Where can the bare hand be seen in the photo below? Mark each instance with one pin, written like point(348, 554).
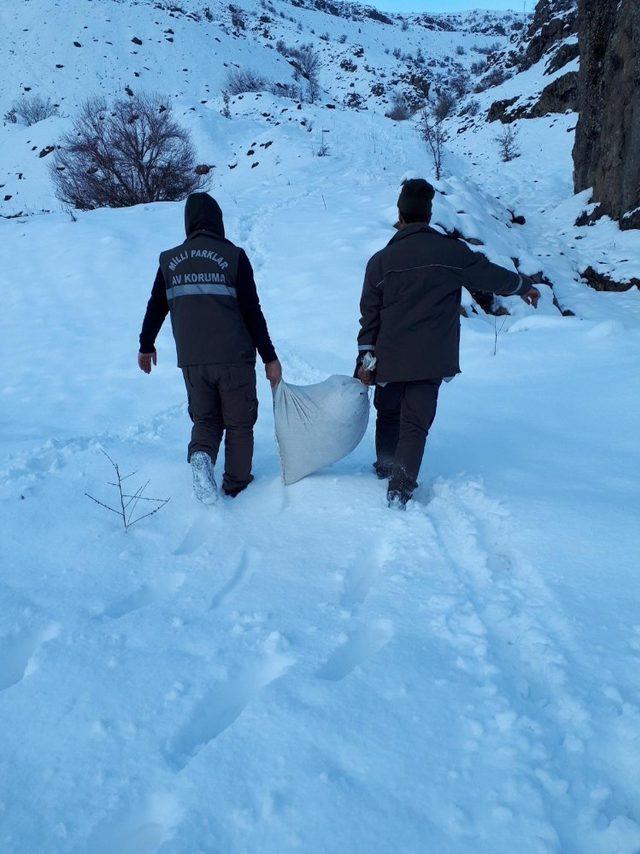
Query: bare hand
point(366, 377)
point(531, 297)
point(273, 370)
point(145, 360)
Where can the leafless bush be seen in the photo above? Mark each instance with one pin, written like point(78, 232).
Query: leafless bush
point(508, 143)
point(471, 108)
point(306, 62)
point(479, 67)
point(130, 153)
point(486, 49)
point(127, 501)
point(286, 90)
point(459, 83)
point(240, 80)
point(492, 78)
point(237, 18)
point(444, 106)
point(435, 136)
point(30, 109)
point(399, 110)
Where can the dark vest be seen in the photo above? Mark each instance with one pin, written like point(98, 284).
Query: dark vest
point(200, 276)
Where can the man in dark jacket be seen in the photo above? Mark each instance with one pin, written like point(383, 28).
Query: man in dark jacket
point(207, 285)
point(409, 337)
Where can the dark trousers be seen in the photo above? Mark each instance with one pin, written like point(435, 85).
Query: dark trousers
point(405, 414)
point(222, 399)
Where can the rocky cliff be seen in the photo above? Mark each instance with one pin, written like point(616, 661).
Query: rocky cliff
point(553, 21)
point(607, 149)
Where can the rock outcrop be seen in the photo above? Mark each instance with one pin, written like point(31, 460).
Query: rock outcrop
point(607, 149)
point(551, 35)
point(559, 96)
point(553, 21)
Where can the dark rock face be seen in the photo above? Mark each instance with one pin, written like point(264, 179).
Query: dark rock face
point(607, 150)
point(602, 282)
point(566, 53)
point(558, 97)
point(552, 22)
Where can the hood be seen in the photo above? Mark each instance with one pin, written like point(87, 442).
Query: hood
point(203, 213)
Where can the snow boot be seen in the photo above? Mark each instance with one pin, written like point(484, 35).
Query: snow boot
point(204, 482)
point(233, 491)
point(398, 499)
point(383, 470)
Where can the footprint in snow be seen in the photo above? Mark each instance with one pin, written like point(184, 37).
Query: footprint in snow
point(143, 596)
point(135, 830)
point(220, 707)
point(17, 653)
point(359, 647)
point(246, 564)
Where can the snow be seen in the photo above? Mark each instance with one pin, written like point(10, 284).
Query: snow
point(300, 669)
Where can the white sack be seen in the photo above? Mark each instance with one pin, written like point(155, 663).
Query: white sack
point(317, 425)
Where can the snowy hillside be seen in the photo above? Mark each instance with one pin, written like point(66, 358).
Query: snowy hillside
point(300, 670)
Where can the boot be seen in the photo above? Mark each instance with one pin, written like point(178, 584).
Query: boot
point(204, 482)
point(397, 499)
point(383, 470)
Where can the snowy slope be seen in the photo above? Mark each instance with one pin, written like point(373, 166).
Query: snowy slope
point(77, 49)
point(299, 670)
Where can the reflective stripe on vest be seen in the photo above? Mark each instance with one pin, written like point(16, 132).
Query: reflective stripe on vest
point(197, 290)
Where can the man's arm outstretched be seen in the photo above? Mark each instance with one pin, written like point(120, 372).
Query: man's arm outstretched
point(483, 275)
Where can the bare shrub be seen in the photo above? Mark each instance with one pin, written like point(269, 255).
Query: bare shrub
point(479, 67)
point(225, 112)
point(286, 90)
point(459, 83)
point(30, 109)
point(399, 110)
point(306, 62)
point(471, 108)
point(435, 136)
point(508, 143)
point(241, 80)
point(445, 105)
point(237, 18)
point(487, 49)
point(127, 501)
point(492, 78)
point(130, 153)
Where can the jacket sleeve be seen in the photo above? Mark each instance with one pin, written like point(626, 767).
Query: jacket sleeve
point(249, 305)
point(157, 310)
point(370, 306)
point(482, 275)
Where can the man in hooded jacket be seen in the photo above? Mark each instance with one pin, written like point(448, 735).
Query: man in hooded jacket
point(207, 285)
point(409, 339)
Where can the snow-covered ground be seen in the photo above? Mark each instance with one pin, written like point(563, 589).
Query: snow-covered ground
point(300, 669)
